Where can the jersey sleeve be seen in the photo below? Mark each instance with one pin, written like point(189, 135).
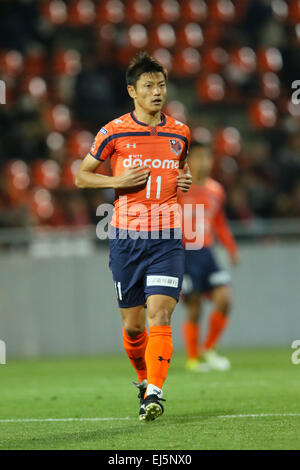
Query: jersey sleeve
point(103, 145)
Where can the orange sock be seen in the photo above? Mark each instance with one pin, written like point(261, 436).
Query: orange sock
point(135, 349)
point(190, 332)
point(217, 323)
point(158, 354)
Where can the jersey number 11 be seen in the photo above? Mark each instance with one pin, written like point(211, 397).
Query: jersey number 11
point(158, 187)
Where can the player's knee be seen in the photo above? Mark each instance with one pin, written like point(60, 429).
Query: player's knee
point(134, 330)
point(161, 316)
point(224, 304)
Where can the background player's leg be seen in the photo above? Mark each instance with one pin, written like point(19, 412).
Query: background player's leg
point(135, 338)
point(190, 328)
point(218, 320)
point(160, 346)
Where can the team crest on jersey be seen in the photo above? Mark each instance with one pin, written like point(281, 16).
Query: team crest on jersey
point(175, 146)
point(103, 131)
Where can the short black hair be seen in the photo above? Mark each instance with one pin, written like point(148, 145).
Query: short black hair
point(141, 63)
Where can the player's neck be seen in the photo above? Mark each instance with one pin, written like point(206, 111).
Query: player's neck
point(151, 119)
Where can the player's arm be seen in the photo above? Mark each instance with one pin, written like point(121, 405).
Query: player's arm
point(184, 178)
point(225, 236)
point(87, 178)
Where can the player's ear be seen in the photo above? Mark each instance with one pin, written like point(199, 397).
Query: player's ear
point(131, 91)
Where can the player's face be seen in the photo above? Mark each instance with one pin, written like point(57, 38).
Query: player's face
point(150, 92)
point(200, 162)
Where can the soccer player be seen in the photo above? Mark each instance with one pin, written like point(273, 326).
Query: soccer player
point(147, 152)
point(202, 272)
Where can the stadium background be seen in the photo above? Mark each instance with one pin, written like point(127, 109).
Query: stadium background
point(231, 66)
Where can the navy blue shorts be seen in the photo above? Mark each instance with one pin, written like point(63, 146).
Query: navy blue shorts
point(144, 267)
point(202, 273)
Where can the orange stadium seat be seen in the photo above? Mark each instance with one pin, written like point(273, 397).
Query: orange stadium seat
point(79, 143)
point(262, 114)
point(201, 134)
point(214, 59)
point(54, 11)
point(81, 12)
point(212, 33)
point(210, 87)
point(164, 56)
point(42, 205)
point(187, 62)
point(166, 11)
point(190, 35)
point(270, 85)
point(16, 182)
point(194, 10)
point(35, 62)
point(110, 11)
point(137, 36)
point(124, 54)
point(107, 32)
point(177, 110)
point(227, 141)
point(242, 62)
point(36, 87)
point(163, 35)
point(294, 11)
point(11, 63)
point(68, 173)
point(58, 117)
point(221, 10)
point(280, 10)
point(66, 62)
point(45, 173)
point(269, 60)
point(138, 11)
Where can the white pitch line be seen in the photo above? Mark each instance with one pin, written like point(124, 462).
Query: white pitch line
point(261, 415)
point(127, 418)
point(49, 420)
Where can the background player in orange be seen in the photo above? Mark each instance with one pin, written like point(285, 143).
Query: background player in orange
point(147, 151)
point(202, 273)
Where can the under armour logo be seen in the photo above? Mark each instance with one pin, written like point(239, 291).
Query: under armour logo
point(160, 358)
point(131, 145)
point(118, 121)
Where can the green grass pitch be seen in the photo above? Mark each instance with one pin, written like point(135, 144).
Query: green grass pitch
point(201, 411)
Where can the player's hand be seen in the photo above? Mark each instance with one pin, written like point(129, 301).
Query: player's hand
point(135, 175)
point(184, 179)
point(235, 258)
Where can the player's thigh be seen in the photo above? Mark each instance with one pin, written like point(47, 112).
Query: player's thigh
point(134, 319)
point(160, 309)
point(216, 276)
point(127, 264)
point(164, 272)
point(195, 272)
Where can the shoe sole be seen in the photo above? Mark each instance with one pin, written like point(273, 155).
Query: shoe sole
point(152, 411)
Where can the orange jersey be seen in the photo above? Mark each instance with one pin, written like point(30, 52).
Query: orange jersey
point(127, 141)
point(212, 196)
